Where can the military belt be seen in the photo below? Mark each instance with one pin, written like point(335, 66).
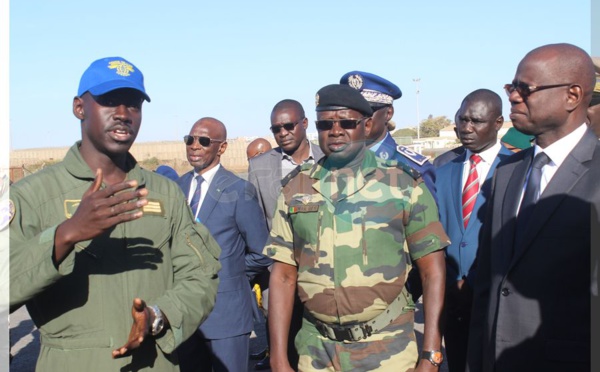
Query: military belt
point(362, 330)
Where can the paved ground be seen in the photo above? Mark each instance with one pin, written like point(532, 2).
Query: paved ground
point(24, 340)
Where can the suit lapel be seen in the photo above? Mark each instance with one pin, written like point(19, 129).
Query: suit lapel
point(565, 178)
point(456, 184)
point(213, 194)
point(186, 182)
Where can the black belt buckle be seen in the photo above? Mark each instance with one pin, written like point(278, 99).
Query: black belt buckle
point(342, 333)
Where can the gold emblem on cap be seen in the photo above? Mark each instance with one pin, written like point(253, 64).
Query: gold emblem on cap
point(355, 81)
point(123, 68)
point(317, 99)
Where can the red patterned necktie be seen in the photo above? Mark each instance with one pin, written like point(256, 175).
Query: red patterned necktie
point(471, 190)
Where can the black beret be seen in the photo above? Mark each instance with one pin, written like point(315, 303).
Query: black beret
point(336, 97)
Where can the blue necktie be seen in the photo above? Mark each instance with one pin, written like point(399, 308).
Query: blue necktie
point(195, 203)
point(532, 193)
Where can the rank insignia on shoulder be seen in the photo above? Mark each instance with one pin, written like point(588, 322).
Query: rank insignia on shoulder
point(153, 208)
point(70, 207)
point(406, 168)
point(410, 154)
point(303, 208)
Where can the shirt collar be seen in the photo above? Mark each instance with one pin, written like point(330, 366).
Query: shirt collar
point(488, 155)
point(559, 150)
point(209, 174)
point(289, 158)
point(76, 166)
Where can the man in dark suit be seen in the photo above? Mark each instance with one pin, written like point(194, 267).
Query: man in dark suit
point(531, 308)
point(463, 186)
point(269, 171)
point(228, 207)
point(265, 172)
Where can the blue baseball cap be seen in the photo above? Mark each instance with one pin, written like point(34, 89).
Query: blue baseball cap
point(375, 89)
point(108, 74)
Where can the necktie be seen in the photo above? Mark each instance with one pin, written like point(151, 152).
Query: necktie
point(195, 203)
point(471, 189)
point(532, 191)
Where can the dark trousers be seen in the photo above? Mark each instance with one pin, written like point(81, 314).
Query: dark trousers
point(456, 334)
point(198, 354)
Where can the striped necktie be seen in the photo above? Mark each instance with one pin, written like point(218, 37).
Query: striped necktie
point(470, 190)
point(195, 203)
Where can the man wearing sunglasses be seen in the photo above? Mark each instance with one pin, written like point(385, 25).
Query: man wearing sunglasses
point(95, 232)
point(228, 207)
point(270, 171)
point(533, 287)
point(338, 235)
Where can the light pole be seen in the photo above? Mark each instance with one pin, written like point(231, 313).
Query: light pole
point(417, 80)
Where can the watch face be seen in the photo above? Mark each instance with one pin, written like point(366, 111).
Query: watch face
point(437, 357)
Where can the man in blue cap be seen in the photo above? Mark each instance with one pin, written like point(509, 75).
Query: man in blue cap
point(381, 93)
point(105, 255)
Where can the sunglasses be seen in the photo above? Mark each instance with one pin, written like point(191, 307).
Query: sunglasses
point(344, 123)
point(526, 90)
point(287, 126)
point(203, 141)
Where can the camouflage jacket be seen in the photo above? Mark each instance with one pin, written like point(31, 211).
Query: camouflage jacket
point(345, 231)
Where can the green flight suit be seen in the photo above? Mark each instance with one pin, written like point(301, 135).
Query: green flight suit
point(83, 308)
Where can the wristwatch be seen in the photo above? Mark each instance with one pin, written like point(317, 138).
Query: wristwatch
point(435, 357)
point(159, 322)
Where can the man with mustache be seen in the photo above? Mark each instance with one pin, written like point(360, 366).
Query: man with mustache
point(533, 285)
point(338, 235)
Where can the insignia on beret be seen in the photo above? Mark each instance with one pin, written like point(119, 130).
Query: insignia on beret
point(123, 68)
point(317, 99)
point(355, 81)
point(411, 155)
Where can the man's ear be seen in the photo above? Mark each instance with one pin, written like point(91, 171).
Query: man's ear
point(389, 113)
point(222, 148)
point(574, 97)
point(499, 122)
point(78, 108)
point(305, 123)
point(368, 127)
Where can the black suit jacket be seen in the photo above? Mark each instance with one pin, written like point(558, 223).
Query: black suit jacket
point(531, 308)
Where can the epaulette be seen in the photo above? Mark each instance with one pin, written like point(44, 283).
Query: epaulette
point(406, 168)
point(292, 174)
point(410, 154)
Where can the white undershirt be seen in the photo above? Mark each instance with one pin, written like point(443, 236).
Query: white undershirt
point(208, 177)
point(487, 159)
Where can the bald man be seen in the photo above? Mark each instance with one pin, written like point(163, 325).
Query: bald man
point(227, 205)
point(257, 147)
point(531, 308)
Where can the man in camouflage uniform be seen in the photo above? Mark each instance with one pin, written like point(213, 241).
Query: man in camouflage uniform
point(338, 233)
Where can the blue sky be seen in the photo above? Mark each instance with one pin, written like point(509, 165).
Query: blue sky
point(234, 60)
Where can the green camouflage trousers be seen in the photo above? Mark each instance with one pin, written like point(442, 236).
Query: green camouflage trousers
point(393, 349)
